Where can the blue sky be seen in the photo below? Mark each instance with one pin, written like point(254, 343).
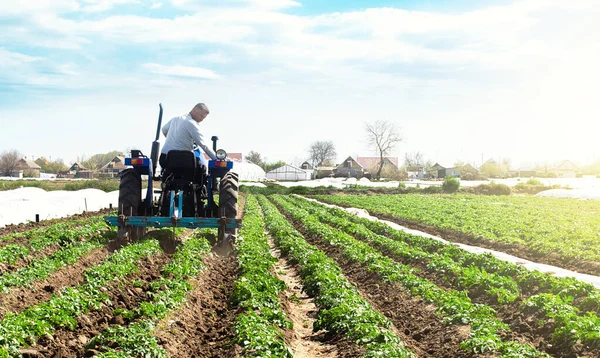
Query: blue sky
point(462, 79)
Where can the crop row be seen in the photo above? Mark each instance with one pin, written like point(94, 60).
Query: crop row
point(529, 282)
point(61, 234)
point(569, 326)
point(62, 309)
point(543, 225)
point(342, 310)
point(168, 293)
point(257, 291)
point(455, 306)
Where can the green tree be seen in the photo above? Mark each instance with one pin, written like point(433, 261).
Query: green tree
point(49, 166)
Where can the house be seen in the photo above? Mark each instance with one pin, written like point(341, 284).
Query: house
point(526, 172)
point(79, 171)
point(349, 168)
point(306, 165)
point(324, 172)
point(112, 168)
point(566, 169)
point(27, 168)
point(437, 171)
point(289, 173)
point(371, 165)
point(415, 172)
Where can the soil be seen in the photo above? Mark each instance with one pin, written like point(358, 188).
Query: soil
point(415, 321)
point(203, 327)
point(302, 312)
point(72, 275)
point(525, 327)
point(123, 295)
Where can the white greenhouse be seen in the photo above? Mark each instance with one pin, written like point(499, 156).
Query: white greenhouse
point(289, 173)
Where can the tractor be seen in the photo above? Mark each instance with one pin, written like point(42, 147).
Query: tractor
point(187, 196)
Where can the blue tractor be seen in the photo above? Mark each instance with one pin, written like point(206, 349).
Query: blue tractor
point(187, 196)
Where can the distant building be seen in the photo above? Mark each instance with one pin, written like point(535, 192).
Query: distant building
point(234, 157)
point(289, 173)
point(27, 168)
point(371, 165)
point(566, 169)
point(112, 168)
point(349, 168)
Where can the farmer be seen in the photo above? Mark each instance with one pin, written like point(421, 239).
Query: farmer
point(183, 132)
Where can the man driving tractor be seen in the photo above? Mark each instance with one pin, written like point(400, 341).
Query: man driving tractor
point(182, 132)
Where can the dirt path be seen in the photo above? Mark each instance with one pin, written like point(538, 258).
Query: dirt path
point(301, 310)
point(202, 327)
point(20, 297)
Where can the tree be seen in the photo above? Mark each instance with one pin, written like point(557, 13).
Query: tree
point(414, 160)
point(49, 166)
point(97, 161)
point(9, 161)
point(382, 137)
point(273, 165)
point(255, 158)
point(321, 152)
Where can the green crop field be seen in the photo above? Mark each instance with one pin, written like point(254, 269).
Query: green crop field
point(305, 280)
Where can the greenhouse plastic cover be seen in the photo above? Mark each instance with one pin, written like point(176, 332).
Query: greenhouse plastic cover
point(21, 205)
point(530, 265)
point(249, 171)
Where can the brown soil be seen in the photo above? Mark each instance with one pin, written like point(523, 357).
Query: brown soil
point(20, 298)
point(301, 310)
point(27, 260)
point(122, 295)
point(16, 228)
point(415, 320)
point(524, 325)
point(203, 327)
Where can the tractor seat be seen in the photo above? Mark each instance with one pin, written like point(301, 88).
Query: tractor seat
point(181, 164)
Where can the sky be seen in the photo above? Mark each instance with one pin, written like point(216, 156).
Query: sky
point(463, 80)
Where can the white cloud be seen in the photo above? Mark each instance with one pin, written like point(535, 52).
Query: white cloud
point(181, 71)
point(103, 5)
point(9, 58)
point(11, 8)
point(156, 5)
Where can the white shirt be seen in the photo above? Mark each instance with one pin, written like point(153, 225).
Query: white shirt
point(182, 132)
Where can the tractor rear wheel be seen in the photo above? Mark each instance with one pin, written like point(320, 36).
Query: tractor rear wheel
point(228, 208)
point(130, 204)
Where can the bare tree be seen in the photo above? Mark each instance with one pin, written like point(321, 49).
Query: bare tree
point(255, 158)
point(9, 161)
point(382, 137)
point(414, 159)
point(321, 152)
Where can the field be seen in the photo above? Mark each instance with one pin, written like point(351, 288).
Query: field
point(306, 281)
point(563, 232)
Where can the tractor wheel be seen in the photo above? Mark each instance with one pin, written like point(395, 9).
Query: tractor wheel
point(130, 204)
point(228, 208)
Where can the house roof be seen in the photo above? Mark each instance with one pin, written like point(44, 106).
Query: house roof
point(118, 158)
point(437, 166)
point(370, 162)
point(288, 168)
point(341, 165)
point(235, 157)
point(566, 165)
point(81, 167)
point(28, 164)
